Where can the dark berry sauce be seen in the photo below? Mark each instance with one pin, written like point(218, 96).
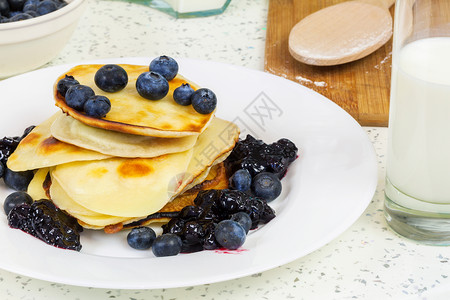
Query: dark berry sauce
point(9, 144)
point(195, 224)
point(257, 156)
point(43, 220)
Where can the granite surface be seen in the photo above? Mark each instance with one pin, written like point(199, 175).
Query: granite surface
point(367, 261)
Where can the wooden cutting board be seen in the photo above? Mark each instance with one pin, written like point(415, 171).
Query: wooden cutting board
point(361, 87)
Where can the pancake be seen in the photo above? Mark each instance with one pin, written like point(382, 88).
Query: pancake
point(36, 187)
point(213, 146)
point(92, 220)
point(125, 187)
point(39, 149)
point(131, 113)
point(72, 131)
point(133, 187)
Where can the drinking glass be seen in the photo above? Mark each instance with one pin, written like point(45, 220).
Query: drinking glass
point(417, 193)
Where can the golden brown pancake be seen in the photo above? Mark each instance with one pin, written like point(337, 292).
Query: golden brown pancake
point(69, 130)
point(135, 187)
point(39, 149)
point(131, 113)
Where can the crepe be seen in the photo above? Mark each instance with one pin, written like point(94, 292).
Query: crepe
point(36, 188)
point(39, 149)
point(72, 131)
point(131, 113)
point(133, 187)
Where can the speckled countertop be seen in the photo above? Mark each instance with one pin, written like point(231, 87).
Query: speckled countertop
point(368, 261)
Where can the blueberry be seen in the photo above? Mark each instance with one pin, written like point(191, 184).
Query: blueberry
point(45, 7)
point(16, 5)
point(31, 2)
point(111, 78)
point(204, 101)
point(32, 13)
point(164, 65)
point(230, 234)
point(266, 186)
point(20, 17)
point(242, 219)
point(77, 95)
point(97, 106)
point(18, 180)
point(3, 19)
point(141, 238)
point(241, 180)
point(182, 94)
point(30, 5)
point(65, 83)
point(152, 86)
point(15, 199)
point(2, 169)
point(167, 244)
point(4, 8)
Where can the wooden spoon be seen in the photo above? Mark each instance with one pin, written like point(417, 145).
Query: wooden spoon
point(341, 33)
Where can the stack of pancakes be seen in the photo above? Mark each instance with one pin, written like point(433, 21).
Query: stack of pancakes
point(144, 157)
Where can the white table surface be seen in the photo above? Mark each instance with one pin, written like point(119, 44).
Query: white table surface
point(368, 261)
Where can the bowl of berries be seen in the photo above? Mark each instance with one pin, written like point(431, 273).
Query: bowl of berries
point(32, 32)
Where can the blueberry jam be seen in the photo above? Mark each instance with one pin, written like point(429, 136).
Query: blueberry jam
point(257, 156)
point(195, 224)
point(42, 219)
point(9, 144)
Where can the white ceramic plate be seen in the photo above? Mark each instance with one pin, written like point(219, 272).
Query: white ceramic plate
point(326, 189)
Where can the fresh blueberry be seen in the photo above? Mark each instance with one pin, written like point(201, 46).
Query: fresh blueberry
point(266, 186)
point(242, 219)
point(2, 169)
point(45, 7)
point(230, 234)
point(18, 180)
point(77, 95)
point(97, 106)
point(15, 199)
point(30, 7)
point(16, 5)
point(31, 2)
point(3, 19)
point(20, 17)
point(241, 180)
point(4, 8)
point(182, 94)
point(62, 4)
point(32, 13)
point(111, 78)
point(204, 101)
point(141, 238)
point(152, 86)
point(166, 66)
point(65, 83)
point(167, 244)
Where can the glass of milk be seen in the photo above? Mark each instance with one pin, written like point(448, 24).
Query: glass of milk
point(417, 192)
point(187, 8)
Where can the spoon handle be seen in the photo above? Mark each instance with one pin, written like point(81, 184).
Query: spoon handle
point(383, 3)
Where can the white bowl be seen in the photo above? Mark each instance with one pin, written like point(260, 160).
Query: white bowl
point(28, 44)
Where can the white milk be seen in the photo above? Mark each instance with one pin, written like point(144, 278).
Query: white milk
point(419, 126)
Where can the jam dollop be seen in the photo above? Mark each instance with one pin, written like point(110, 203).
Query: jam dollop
point(43, 220)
